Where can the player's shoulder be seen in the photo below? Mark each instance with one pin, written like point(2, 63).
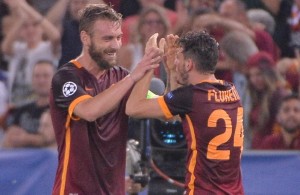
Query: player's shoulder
point(68, 67)
point(72, 68)
point(181, 92)
point(185, 88)
point(67, 72)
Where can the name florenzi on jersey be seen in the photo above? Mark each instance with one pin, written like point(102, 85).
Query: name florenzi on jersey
point(223, 96)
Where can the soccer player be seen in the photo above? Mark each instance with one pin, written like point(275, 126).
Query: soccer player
point(87, 104)
point(211, 114)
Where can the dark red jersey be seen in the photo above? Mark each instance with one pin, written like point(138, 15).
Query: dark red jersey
point(91, 154)
point(212, 118)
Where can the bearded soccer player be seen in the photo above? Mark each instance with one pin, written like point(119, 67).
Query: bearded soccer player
point(87, 103)
point(210, 110)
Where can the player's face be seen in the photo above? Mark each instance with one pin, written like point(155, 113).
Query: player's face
point(182, 74)
point(289, 115)
point(105, 42)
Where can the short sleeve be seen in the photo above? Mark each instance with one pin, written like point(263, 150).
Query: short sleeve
point(180, 100)
point(67, 88)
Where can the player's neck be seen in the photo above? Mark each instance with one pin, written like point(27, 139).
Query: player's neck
point(90, 65)
point(198, 78)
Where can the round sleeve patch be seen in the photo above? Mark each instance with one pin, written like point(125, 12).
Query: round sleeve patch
point(69, 89)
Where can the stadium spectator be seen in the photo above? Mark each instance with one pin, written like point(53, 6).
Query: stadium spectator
point(281, 11)
point(24, 45)
point(236, 10)
point(23, 122)
point(289, 68)
point(128, 25)
point(151, 20)
point(262, 20)
point(266, 89)
point(289, 119)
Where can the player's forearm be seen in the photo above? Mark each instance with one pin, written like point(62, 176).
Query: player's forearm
point(138, 95)
point(171, 81)
point(105, 102)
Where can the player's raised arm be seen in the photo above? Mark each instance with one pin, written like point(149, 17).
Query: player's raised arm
point(138, 105)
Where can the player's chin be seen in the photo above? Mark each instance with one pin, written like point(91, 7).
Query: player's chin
point(112, 61)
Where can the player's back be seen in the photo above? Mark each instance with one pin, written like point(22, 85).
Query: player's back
point(214, 133)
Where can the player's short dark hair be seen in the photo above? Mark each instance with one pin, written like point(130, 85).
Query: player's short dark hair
point(202, 49)
point(94, 12)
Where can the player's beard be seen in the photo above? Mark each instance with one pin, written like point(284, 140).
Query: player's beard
point(98, 57)
point(182, 78)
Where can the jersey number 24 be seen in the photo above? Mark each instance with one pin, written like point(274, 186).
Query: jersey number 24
point(212, 150)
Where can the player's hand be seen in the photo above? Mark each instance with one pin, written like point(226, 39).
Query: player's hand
point(170, 50)
point(152, 42)
point(151, 59)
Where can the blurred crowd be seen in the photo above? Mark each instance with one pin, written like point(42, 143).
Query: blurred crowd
point(259, 42)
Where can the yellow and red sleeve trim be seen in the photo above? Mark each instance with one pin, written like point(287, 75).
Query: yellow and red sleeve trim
point(74, 103)
point(164, 107)
point(77, 64)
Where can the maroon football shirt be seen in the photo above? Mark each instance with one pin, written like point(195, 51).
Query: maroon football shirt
point(91, 154)
point(212, 118)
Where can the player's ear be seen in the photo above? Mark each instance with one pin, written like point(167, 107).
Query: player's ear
point(189, 65)
point(85, 37)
